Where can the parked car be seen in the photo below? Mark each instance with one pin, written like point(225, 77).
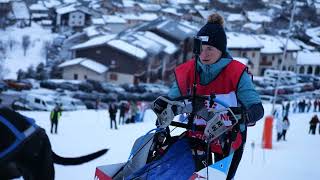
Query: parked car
point(34, 102)
point(3, 86)
point(17, 85)
point(21, 104)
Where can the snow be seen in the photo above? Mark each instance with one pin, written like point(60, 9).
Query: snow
point(66, 9)
point(170, 47)
point(113, 19)
point(20, 10)
point(314, 34)
point(242, 60)
point(308, 58)
point(51, 3)
point(252, 26)
point(38, 7)
point(98, 21)
point(96, 41)
point(90, 64)
point(236, 17)
point(141, 16)
point(149, 7)
point(291, 46)
point(128, 48)
point(173, 11)
point(15, 59)
point(271, 45)
point(83, 132)
point(240, 40)
point(177, 2)
point(257, 17)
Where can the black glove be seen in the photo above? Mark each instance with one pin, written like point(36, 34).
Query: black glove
point(253, 114)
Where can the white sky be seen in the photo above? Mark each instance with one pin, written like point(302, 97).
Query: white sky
point(83, 132)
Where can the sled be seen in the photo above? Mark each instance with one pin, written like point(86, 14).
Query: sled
point(177, 161)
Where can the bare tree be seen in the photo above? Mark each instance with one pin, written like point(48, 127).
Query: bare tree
point(25, 43)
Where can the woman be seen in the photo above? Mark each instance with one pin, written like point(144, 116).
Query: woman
point(217, 73)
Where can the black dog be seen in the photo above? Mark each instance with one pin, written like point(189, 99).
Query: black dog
point(25, 149)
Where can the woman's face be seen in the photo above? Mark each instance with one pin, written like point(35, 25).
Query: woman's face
point(209, 54)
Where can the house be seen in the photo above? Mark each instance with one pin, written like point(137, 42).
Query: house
point(5, 8)
point(290, 59)
point(235, 21)
point(21, 14)
point(83, 69)
point(271, 53)
point(117, 54)
point(72, 17)
point(308, 62)
point(148, 7)
point(39, 12)
point(243, 45)
point(115, 23)
point(137, 18)
point(180, 33)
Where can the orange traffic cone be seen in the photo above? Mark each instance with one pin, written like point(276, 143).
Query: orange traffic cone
point(267, 133)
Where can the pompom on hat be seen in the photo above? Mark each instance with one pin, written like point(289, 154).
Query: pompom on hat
point(213, 34)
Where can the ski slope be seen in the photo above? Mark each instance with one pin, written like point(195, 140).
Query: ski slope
point(83, 132)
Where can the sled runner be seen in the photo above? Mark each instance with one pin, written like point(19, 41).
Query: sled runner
point(159, 155)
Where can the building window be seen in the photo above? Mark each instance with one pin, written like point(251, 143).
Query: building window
point(253, 54)
point(75, 76)
point(113, 77)
point(244, 54)
point(317, 72)
point(301, 71)
point(279, 61)
point(309, 70)
point(98, 51)
point(272, 57)
point(85, 77)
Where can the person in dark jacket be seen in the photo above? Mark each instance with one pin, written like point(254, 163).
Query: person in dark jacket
point(112, 113)
point(313, 124)
point(123, 110)
point(285, 127)
point(54, 118)
point(218, 73)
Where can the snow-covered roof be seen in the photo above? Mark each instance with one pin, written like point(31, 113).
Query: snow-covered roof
point(88, 63)
point(97, 21)
point(303, 45)
point(271, 45)
point(236, 17)
point(113, 19)
point(175, 30)
point(128, 48)
point(141, 16)
point(71, 8)
point(39, 15)
point(308, 58)
point(314, 34)
point(257, 17)
point(170, 48)
point(38, 7)
point(206, 13)
point(242, 41)
point(291, 46)
point(176, 2)
point(149, 7)
point(96, 41)
point(171, 10)
point(252, 26)
point(128, 3)
point(51, 3)
point(144, 42)
point(20, 10)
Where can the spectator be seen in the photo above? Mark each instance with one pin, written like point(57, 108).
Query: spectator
point(54, 118)
point(112, 114)
point(123, 110)
point(309, 105)
point(134, 110)
point(313, 124)
point(285, 126)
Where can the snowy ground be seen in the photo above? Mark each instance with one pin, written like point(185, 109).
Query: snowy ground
point(83, 132)
point(35, 54)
